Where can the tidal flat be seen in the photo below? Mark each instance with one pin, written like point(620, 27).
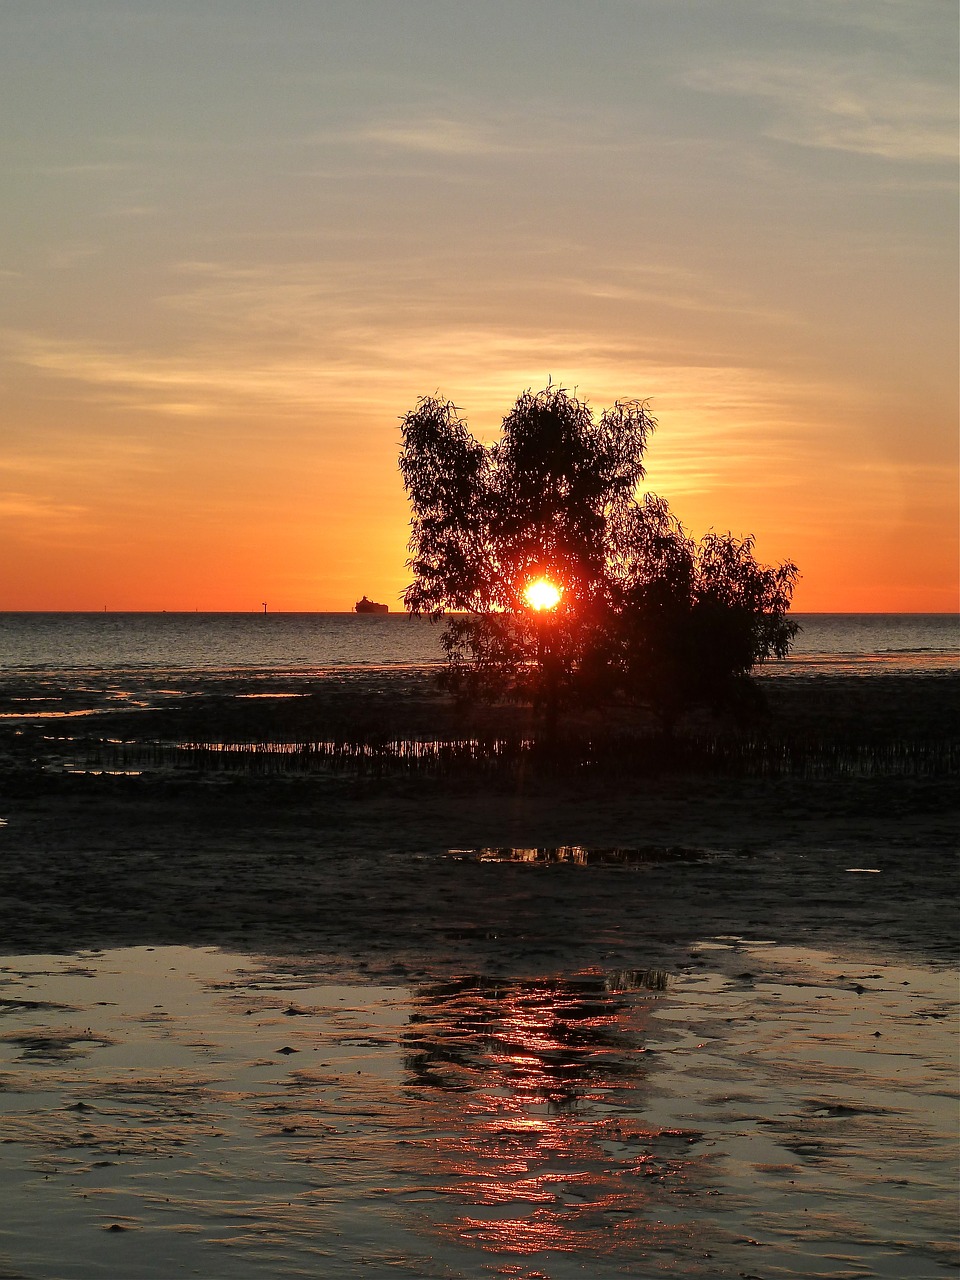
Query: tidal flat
point(761, 1110)
point(433, 1024)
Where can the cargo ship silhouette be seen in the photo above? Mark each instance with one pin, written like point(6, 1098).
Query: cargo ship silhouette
point(370, 606)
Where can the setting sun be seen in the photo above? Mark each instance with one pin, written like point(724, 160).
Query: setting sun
point(541, 594)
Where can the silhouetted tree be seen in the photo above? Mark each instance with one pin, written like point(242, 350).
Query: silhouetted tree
point(644, 611)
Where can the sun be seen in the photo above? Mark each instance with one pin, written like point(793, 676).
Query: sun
point(541, 594)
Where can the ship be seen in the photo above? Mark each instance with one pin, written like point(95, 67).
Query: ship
point(370, 606)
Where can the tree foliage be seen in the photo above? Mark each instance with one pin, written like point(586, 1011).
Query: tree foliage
point(645, 613)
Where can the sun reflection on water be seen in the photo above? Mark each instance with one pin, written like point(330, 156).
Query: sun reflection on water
point(537, 1092)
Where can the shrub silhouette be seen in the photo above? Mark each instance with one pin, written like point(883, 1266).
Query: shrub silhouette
point(645, 613)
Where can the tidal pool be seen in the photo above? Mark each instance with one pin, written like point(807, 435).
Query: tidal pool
point(762, 1111)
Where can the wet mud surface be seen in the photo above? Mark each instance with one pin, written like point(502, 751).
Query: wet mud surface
point(394, 879)
point(672, 1026)
point(762, 1110)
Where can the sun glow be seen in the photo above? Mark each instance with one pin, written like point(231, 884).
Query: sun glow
point(541, 594)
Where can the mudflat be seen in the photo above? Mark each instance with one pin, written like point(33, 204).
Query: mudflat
point(268, 1014)
point(363, 866)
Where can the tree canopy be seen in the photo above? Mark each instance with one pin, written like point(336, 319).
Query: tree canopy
point(640, 611)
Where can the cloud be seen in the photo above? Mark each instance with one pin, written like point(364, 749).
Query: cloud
point(210, 383)
point(375, 372)
point(433, 134)
point(364, 301)
point(844, 106)
point(677, 288)
point(28, 506)
point(538, 127)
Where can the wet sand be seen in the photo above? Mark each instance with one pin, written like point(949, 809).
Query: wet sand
point(795, 918)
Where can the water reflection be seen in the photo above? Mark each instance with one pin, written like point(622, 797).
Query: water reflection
point(581, 856)
point(520, 1127)
point(535, 1090)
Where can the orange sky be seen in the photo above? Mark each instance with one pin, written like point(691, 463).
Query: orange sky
point(238, 248)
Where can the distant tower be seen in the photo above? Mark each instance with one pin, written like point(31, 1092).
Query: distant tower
point(264, 606)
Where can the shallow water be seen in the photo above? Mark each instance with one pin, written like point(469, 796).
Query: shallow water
point(762, 1111)
point(756, 757)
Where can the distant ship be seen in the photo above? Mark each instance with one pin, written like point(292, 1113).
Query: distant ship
point(370, 606)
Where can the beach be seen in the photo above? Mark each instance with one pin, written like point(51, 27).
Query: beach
point(783, 943)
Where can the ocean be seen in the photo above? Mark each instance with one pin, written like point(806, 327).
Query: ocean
point(76, 643)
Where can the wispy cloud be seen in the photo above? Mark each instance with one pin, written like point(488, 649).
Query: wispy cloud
point(374, 372)
point(28, 506)
point(534, 127)
point(676, 288)
point(844, 106)
point(434, 134)
point(362, 302)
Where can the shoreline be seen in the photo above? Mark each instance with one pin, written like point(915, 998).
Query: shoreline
point(408, 702)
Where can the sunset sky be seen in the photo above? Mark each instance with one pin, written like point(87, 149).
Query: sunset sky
point(239, 239)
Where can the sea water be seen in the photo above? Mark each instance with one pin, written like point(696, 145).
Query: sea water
point(76, 642)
